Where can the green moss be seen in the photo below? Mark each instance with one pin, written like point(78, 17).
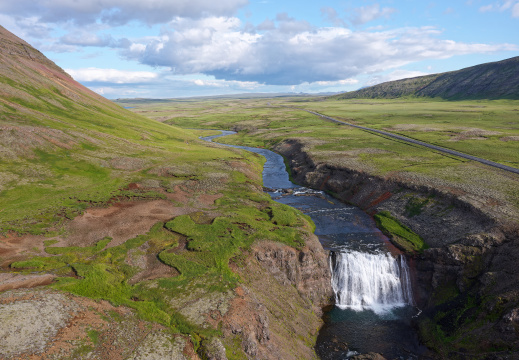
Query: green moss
point(79, 251)
point(283, 215)
point(233, 348)
point(186, 267)
point(415, 205)
point(40, 263)
point(445, 293)
point(94, 336)
point(403, 237)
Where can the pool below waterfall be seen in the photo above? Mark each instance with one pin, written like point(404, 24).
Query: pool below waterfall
point(374, 304)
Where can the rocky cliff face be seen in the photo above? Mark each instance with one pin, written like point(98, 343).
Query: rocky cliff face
point(466, 282)
point(278, 310)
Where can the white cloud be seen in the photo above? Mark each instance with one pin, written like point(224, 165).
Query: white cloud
point(331, 15)
point(197, 46)
point(336, 83)
point(86, 38)
point(369, 13)
point(290, 55)
point(515, 11)
point(250, 85)
point(117, 12)
point(111, 76)
point(501, 6)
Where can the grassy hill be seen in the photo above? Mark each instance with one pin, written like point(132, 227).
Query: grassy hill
point(105, 204)
point(496, 80)
point(63, 146)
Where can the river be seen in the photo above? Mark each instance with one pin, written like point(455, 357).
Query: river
point(374, 306)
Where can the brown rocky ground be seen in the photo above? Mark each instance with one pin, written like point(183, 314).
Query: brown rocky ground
point(45, 324)
point(120, 221)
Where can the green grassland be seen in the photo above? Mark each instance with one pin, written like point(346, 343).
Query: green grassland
point(63, 156)
point(403, 237)
point(488, 129)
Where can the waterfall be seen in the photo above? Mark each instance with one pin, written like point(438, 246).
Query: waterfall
point(376, 282)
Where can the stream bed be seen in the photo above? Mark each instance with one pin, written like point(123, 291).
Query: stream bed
point(373, 297)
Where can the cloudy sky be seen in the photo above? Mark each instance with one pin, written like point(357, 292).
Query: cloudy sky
point(179, 48)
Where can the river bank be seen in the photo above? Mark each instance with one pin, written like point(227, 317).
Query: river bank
point(466, 280)
point(370, 278)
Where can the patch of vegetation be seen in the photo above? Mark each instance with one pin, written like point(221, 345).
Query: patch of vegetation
point(211, 246)
point(400, 235)
point(94, 336)
point(101, 273)
point(233, 349)
point(452, 324)
point(415, 205)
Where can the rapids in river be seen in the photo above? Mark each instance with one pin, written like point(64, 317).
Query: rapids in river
point(374, 303)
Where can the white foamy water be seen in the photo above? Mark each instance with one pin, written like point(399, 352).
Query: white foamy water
point(364, 281)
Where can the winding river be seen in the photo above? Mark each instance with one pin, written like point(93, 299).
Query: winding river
point(374, 305)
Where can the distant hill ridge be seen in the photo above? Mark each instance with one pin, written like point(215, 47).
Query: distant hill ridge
point(495, 80)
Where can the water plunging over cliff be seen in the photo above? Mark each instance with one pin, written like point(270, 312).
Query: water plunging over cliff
point(378, 281)
point(366, 281)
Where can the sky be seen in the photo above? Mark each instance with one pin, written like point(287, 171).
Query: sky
point(184, 48)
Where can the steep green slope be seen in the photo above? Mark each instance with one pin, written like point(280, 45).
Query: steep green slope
point(62, 146)
point(496, 80)
point(102, 203)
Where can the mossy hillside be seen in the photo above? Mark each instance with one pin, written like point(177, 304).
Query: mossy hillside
point(66, 148)
point(213, 245)
point(102, 272)
point(57, 185)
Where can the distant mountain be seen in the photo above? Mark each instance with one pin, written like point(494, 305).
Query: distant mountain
point(495, 80)
point(124, 101)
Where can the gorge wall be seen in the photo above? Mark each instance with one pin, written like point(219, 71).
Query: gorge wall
point(466, 282)
point(289, 288)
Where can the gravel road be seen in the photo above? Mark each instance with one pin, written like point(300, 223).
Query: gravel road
point(417, 142)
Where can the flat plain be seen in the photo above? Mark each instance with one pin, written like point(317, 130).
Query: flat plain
point(487, 129)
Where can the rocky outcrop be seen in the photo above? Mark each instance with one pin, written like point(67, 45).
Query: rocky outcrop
point(306, 269)
point(435, 214)
point(213, 349)
point(466, 282)
point(46, 324)
point(277, 313)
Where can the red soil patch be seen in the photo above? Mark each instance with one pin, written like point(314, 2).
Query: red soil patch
point(179, 195)
point(324, 182)
point(208, 200)
point(381, 198)
point(121, 221)
point(151, 267)
point(10, 281)
point(15, 248)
